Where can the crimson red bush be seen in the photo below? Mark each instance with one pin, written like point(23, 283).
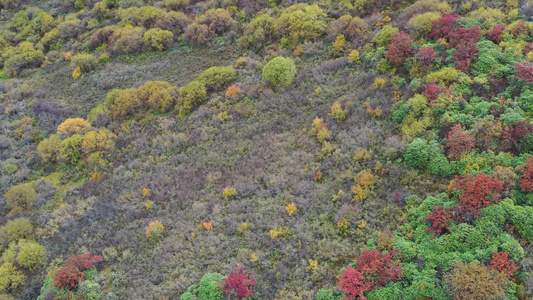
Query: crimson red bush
point(500, 262)
point(239, 283)
point(400, 47)
point(440, 220)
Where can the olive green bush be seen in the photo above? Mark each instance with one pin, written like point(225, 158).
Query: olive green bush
point(280, 71)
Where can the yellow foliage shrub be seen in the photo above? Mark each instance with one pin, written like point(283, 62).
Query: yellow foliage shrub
point(73, 126)
point(291, 208)
point(154, 231)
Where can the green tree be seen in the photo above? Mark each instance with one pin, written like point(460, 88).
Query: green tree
point(31, 254)
point(280, 71)
point(15, 230)
point(20, 197)
point(158, 39)
point(217, 78)
point(190, 96)
point(210, 287)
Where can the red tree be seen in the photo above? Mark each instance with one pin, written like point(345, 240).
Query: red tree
point(373, 269)
point(520, 130)
point(239, 283)
point(528, 48)
point(527, 177)
point(70, 275)
point(500, 262)
point(524, 72)
point(443, 27)
point(481, 192)
point(352, 284)
point(465, 214)
point(496, 33)
point(426, 56)
point(464, 41)
point(440, 220)
point(86, 261)
point(67, 277)
point(522, 27)
point(459, 141)
point(432, 91)
point(400, 47)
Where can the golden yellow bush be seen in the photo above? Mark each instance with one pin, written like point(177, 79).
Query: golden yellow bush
point(290, 208)
point(73, 126)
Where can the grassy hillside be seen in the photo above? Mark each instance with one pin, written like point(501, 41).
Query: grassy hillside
point(333, 149)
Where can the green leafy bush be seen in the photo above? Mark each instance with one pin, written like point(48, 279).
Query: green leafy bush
point(280, 71)
point(85, 61)
point(15, 230)
point(20, 197)
point(158, 39)
point(191, 95)
point(31, 254)
point(210, 286)
point(420, 152)
point(217, 78)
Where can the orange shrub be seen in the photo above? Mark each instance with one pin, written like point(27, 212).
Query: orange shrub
point(232, 90)
point(154, 231)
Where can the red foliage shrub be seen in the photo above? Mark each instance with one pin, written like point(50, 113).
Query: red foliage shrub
point(459, 141)
point(86, 261)
point(440, 220)
point(464, 40)
point(352, 284)
point(67, 277)
point(400, 47)
point(444, 26)
point(426, 56)
point(527, 177)
point(528, 48)
point(496, 33)
point(373, 269)
point(500, 262)
point(482, 191)
point(524, 72)
point(239, 283)
point(522, 27)
point(465, 214)
point(520, 130)
point(432, 91)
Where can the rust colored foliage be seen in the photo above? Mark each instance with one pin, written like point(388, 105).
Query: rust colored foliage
point(86, 261)
point(239, 283)
point(527, 177)
point(496, 33)
point(69, 276)
point(440, 220)
point(527, 48)
point(432, 91)
point(521, 28)
point(464, 40)
point(374, 269)
point(520, 130)
point(426, 56)
point(352, 284)
point(443, 27)
point(232, 90)
point(500, 262)
point(400, 47)
point(524, 72)
point(465, 214)
point(475, 281)
point(459, 141)
point(481, 191)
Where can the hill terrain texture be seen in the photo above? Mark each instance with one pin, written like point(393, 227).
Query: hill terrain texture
point(266, 149)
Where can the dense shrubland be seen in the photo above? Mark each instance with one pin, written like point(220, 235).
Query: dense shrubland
point(323, 150)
